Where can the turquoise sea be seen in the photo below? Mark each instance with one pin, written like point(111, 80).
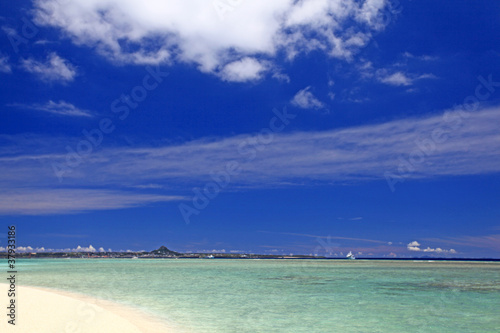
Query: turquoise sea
point(288, 295)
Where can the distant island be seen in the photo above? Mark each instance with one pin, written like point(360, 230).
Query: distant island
point(165, 253)
point(161, 252)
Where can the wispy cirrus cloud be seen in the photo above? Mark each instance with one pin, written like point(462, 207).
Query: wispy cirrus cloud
point(53, 69)
point(423, 57)
point(350, 218)
point(393, 75)
point(67, 201)
point(400, 78)
point(491, 242)
point(331, 237)
point(472, 146)
point(58, 235)
point(236, 48)
point(468, 146)
point(60, 108)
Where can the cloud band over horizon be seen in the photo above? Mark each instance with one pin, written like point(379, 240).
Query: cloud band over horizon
point(453, 144)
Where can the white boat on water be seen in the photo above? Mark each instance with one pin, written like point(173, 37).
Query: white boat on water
point(350, 256)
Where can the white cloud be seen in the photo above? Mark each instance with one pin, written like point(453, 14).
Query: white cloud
point(467, 145)
point(90, 248)
point(155, 31)
point(491, 242)
point(281, 77)
point(396, 79)
point(306, 100)
point(399, 78)
point(149, 186)
point(61, 108)
point(54, 68)
point(439, 250)
point(421, 57)
point(24, 249)
point(393, 75)
point(4, 64)
point(415, 246)
point(328, 238)
point(370, 13)
point(30, 249)
point(426, 76)
point(242, 70)
point(66, 201)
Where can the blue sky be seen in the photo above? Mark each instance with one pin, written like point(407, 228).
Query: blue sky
point(312, 127)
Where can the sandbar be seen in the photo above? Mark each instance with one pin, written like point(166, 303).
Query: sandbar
point(41, 310)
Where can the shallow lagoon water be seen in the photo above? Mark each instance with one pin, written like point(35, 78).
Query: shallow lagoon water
point(288, 295)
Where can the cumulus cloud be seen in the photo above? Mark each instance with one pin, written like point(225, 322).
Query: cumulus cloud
point(90, 248)
point(155, 31)
point(306, 100)
point(30, 249)
point(26, 249)
point(53, 69)
point(60, 108)
point(415, 246)
point(242, 70)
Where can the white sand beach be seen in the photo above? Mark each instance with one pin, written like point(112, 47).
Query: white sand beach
point(40, 310)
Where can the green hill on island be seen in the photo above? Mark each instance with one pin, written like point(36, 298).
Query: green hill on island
point(163, 250)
